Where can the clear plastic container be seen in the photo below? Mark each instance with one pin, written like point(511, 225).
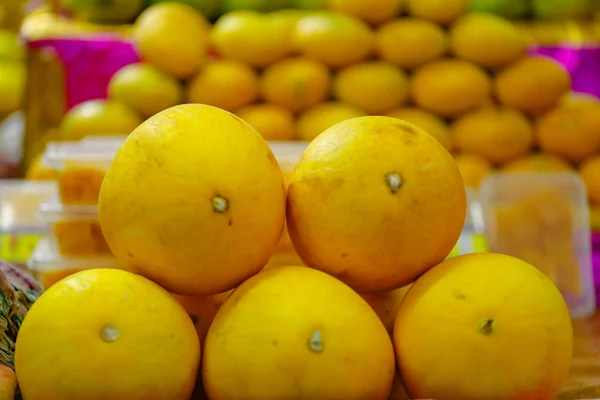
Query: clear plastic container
point(80, 168)
point(472, 238)
point(108, 141)
point(543, 219)
point(74, 230)
point(48, 267)
point(20, 227)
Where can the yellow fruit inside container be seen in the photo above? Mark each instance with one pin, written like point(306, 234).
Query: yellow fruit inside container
point(80, 166)
point(38, 172)
point(80, 184)
point(74, 230)
point(79, 238)
point(49, 267)
point(537, 228)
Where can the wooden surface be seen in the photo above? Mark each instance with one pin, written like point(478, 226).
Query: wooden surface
point(584, 381)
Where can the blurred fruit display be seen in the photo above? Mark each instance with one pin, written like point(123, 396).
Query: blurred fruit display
point(460, 69)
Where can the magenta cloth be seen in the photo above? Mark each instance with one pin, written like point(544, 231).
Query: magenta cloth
point(582, 62)
point(596, 263)
point(89, 63)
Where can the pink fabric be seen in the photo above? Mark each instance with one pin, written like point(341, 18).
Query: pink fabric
point(582, 62)
point(89, 63)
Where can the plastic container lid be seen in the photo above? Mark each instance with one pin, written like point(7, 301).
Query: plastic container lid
point(19, 202)
point(100, 150)
point(110, 140)
point(44, 259)
point(543, 219)
point(20, 226)
point(94, 153)
point(53, 211)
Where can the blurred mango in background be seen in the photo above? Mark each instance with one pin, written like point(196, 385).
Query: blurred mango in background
point(12, 73)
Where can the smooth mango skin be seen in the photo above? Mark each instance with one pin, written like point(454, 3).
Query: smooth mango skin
point(194, 200)
point(145, 89)
point(297, 333)
point(375, 202)
point(172, 37)
point(523, 354)
point(253, 37)
point(107, 334)
point(336, 40)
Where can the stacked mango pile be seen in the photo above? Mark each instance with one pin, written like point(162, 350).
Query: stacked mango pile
point(464, 77)
point(193, 205)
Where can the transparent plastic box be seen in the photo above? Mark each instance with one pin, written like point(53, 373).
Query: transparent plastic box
point(472, 238)
point(543, 219)
point(20, 227)
point(107, 141)
point(80, 168)
point(74, 230)
point(48, 267)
